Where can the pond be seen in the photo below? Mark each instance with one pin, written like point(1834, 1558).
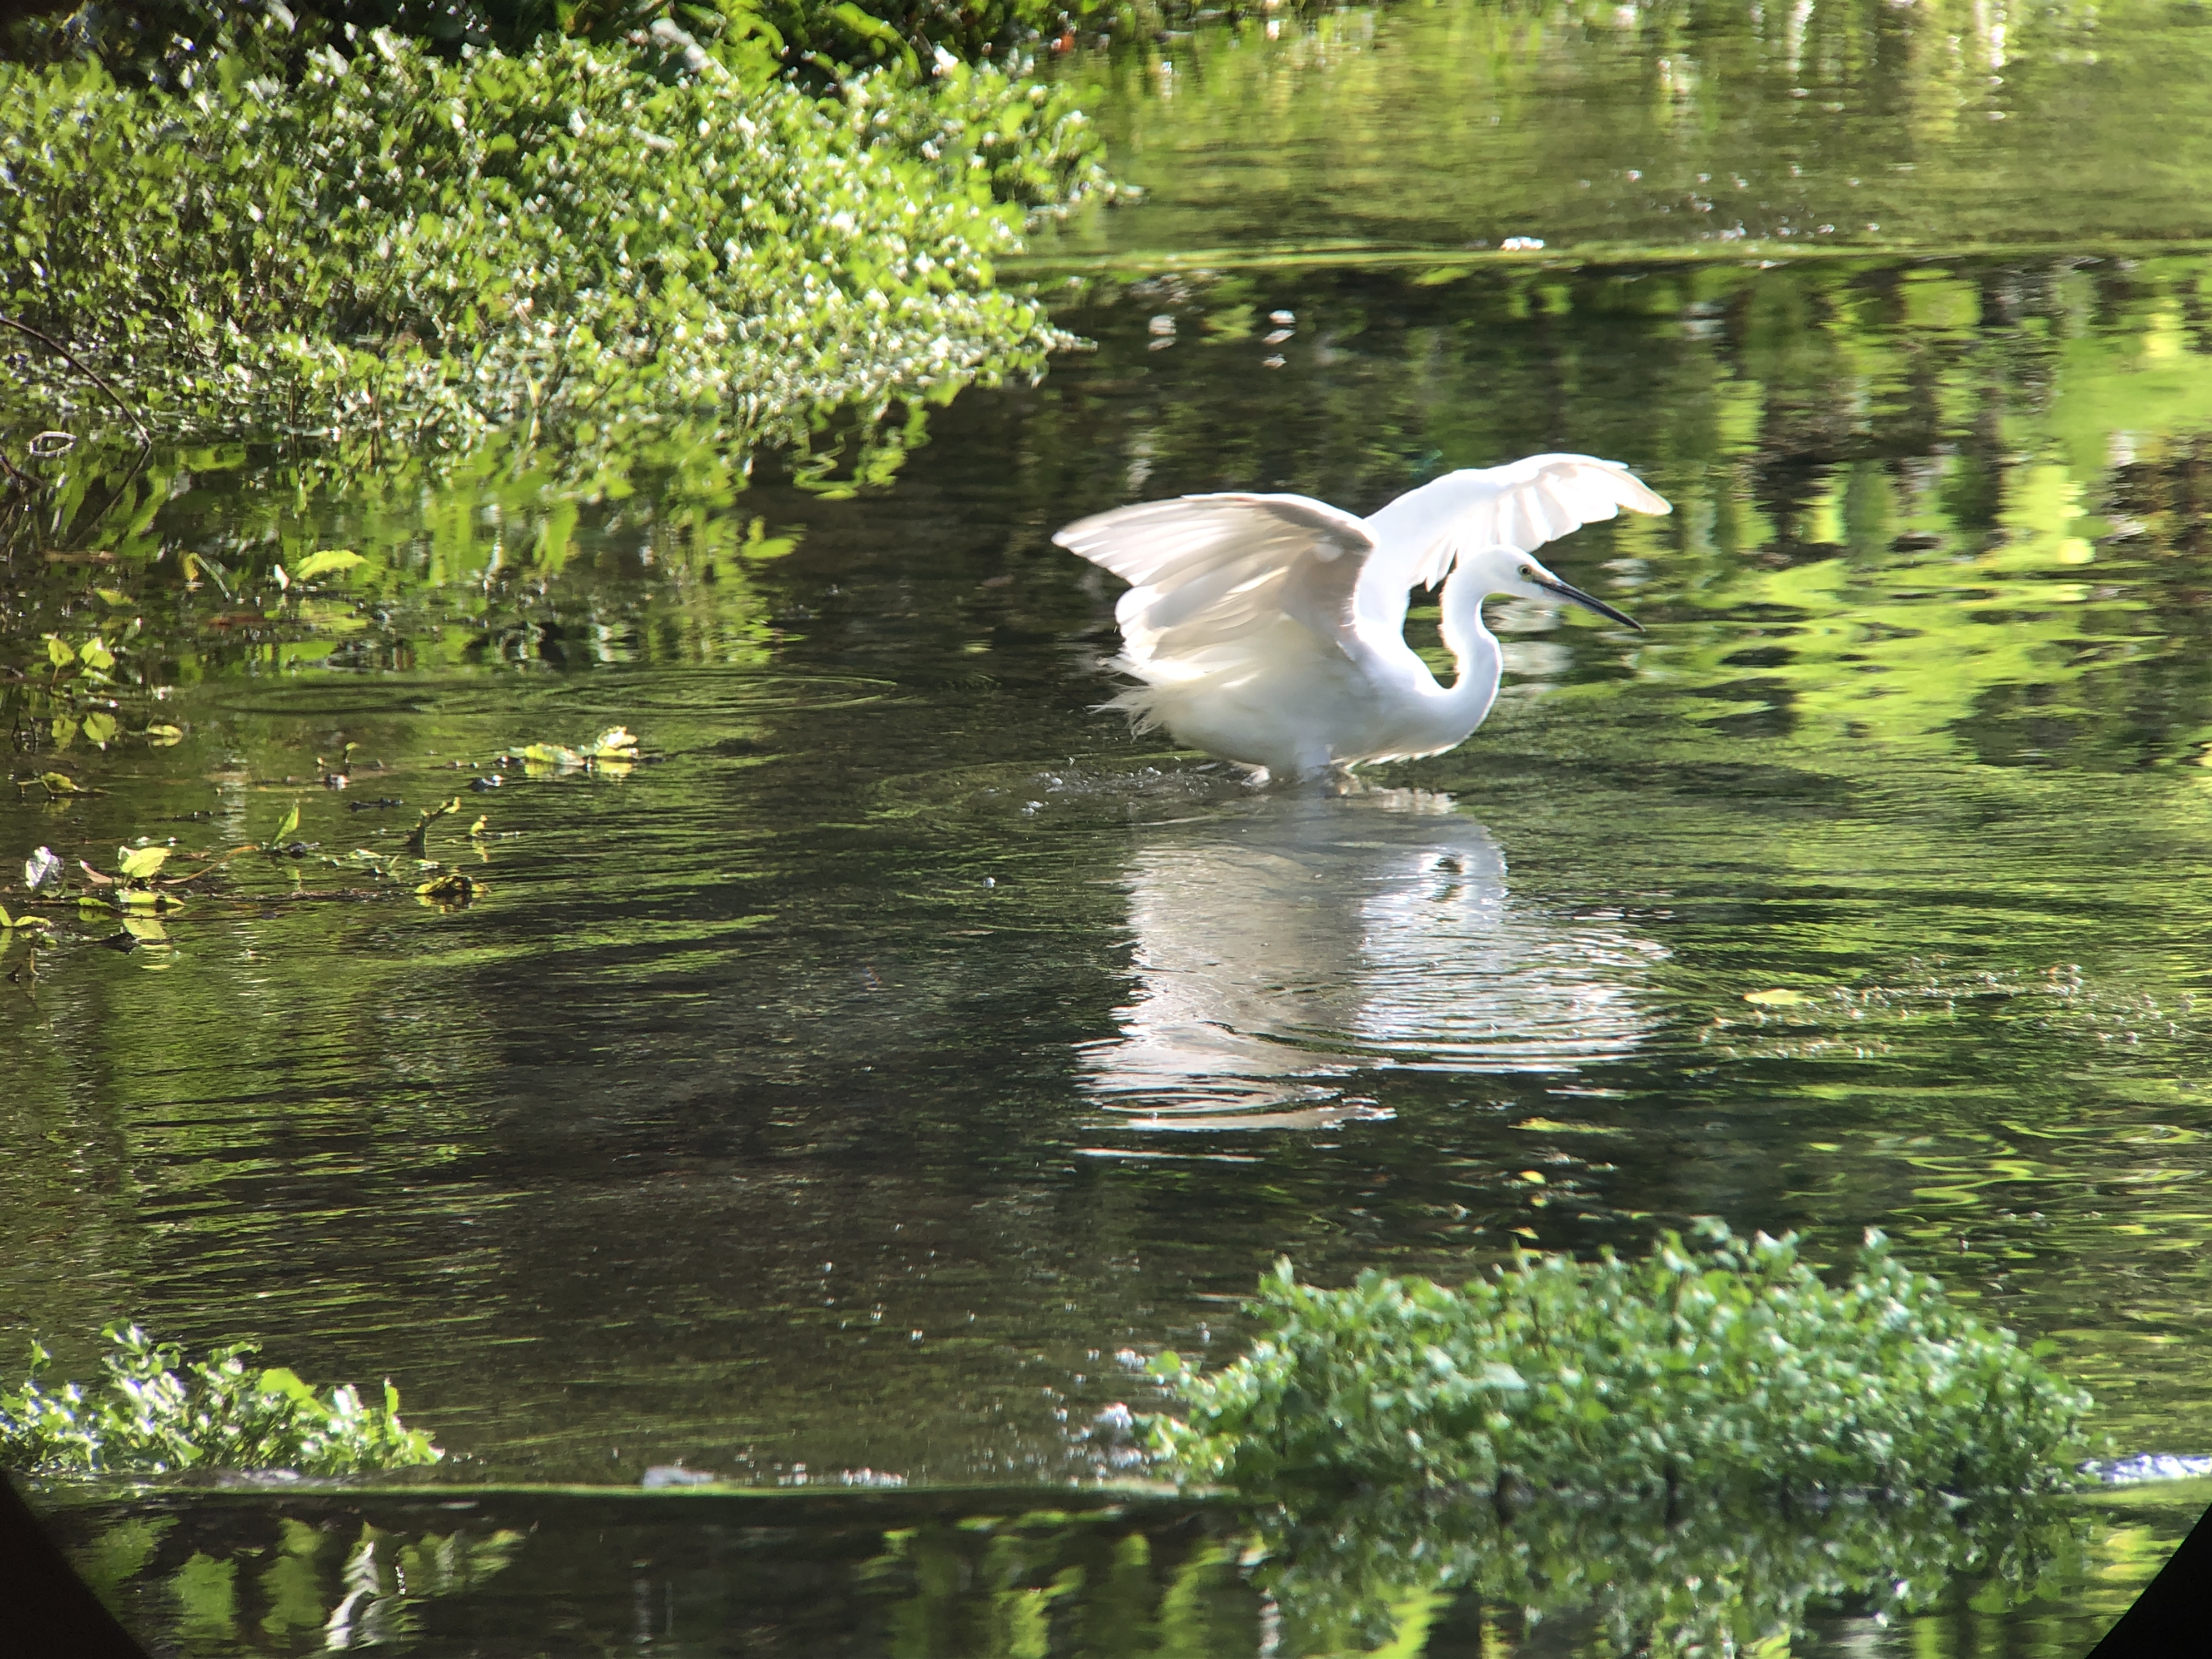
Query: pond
point(852, 1092)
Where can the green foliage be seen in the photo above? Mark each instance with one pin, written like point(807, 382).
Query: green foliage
point(1730, 1366)
point(153, 40)
point(403, 250)
point(154, 1413)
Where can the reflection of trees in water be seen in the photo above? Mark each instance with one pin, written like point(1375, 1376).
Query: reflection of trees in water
point(236, 1582)
point(1700, 1575)
point(1124, 1577)
point(1281, 948)
point(1825, 123)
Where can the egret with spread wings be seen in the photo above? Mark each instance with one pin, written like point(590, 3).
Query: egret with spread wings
point(1270, 630)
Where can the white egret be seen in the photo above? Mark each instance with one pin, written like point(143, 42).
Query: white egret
point(1270, 630)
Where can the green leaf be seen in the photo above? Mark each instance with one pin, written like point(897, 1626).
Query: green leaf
point(139, 863)
point(101, 727)
point(324, 563)
point(60, 651)
point(95, 655)
point(287, 824)
point(162, 736)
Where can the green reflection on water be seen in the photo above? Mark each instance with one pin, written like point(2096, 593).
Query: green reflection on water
point(1680, 124)
point(983, 1575)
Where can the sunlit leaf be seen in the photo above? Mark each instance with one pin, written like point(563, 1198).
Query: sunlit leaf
point(94, 655)
point(449, 891)
point(139, 862)
point(101, 727)
point(60, 651)
point(1781, 998)
point(287, 824)
point(162, 736)
point(324, 563)
point(552, 754)
point(147, 930)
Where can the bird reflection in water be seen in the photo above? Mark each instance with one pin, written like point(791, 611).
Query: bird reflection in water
point(1285, 948)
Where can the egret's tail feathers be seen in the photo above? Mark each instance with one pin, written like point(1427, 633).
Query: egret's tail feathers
point(1141, 703)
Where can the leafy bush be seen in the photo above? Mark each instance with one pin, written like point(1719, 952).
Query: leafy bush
point(415, 251)
point(153, 38)
point(1728, 1366)
point(153, 1413)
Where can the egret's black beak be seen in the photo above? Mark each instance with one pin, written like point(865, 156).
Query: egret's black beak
point(1576, 596)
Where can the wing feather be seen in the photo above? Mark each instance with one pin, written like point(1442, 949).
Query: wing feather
point(1521, 506)
point(1208, 573)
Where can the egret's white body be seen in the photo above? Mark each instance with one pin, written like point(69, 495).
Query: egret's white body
point(1270, 630)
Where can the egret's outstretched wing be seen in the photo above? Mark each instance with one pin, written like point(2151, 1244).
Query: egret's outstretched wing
point(1521, 506)
point(1208, 573)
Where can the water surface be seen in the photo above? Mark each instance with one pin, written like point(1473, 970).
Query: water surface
point(859, 1088)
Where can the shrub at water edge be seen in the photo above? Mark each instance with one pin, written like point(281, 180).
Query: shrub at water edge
point(153, 1413)
point(1727, 1365)
point(368, 240)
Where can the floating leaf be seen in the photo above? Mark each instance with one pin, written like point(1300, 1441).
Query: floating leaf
point(449, 891)
point(614, 743)
point(325, 563)
point(101, 727)
point(7, 923)
point(1782, 998)
point(147, 930)
point(60, 783)
point(1553, 1125)
point(42, 867)
point(162, 736)
point(140, 862)
point(552, 754)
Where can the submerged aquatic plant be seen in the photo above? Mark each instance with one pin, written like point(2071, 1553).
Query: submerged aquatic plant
point(153, 1413)
point(1725, 1366)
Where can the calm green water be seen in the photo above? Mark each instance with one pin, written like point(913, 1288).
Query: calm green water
point(844, 1090)
point(1681, 126)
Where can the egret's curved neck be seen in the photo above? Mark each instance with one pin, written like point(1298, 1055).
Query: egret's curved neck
point(1473, 645)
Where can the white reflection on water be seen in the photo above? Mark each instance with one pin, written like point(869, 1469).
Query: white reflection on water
point(1278, 951)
